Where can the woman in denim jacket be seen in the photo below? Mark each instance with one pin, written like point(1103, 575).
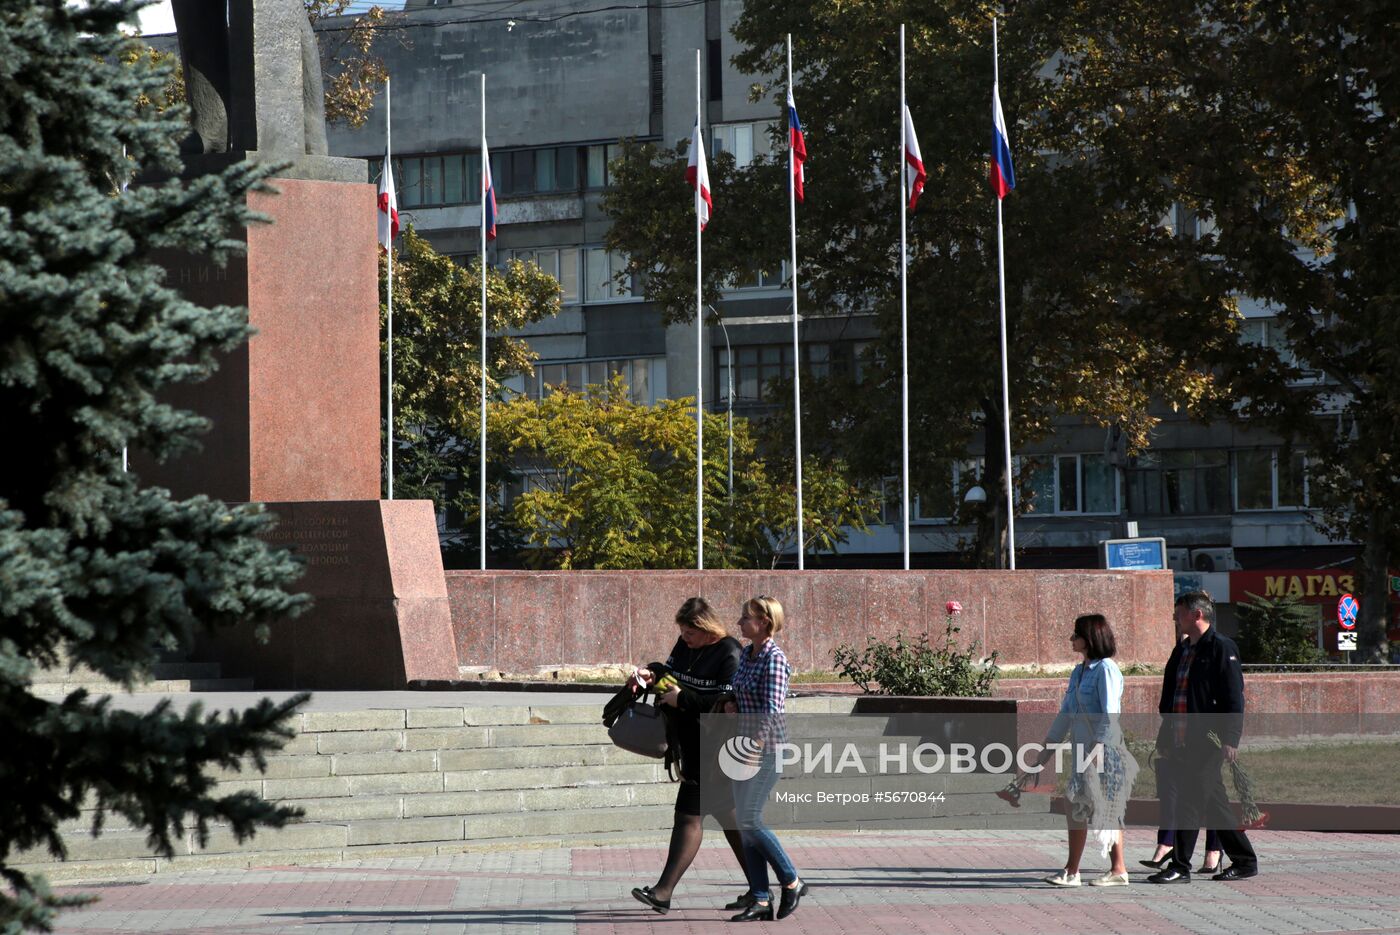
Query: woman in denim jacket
point(1096, 799)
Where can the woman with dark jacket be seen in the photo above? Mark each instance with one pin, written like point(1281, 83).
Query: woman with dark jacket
point(702, 663)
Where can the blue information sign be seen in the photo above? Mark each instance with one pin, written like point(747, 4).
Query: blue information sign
point(1146, 554)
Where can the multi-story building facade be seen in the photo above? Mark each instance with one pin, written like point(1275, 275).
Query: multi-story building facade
point(566, 81)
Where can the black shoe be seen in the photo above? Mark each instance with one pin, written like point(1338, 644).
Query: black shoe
point(1207, 871)
point(755, 913)
point(743, 902)
point(791, 895)
point(1234, 872)
point(1170, 875)
point(643, 895)
point(1159, 863)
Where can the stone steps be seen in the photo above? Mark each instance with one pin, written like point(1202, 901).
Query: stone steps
point(166, 678)
point(415, 781)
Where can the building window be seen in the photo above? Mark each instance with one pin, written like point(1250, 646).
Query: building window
point(716, 67)
point(744, 141)
point(1179, 483)
point(939, 502)
point(658, 73)
point(756, 367)
point(1072, 484)
point(645, 377)
point(599, 271)
point(767, 276)
point(1267, 479)
point(560, 262)
point(1268, 332)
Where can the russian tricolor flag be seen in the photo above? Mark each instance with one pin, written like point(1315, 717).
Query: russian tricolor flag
point(488, 194)
point(798, 143)
point(1002, 175)
point(698, 176)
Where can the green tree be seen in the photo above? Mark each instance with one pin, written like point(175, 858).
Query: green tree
point(611, 484)
point(437, 375)
point(1278, 631)
point(354, 74)
point(1276, 126)
point(1099, 323)
point(95, 569)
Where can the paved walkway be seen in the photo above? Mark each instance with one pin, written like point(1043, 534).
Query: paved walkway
point(895, 883)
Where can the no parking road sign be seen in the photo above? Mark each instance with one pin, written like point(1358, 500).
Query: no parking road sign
point(1347, 609)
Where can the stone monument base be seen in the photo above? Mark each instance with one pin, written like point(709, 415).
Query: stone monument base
point(381, 617)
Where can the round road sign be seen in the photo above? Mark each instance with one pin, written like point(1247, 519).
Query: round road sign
point(1347, 609)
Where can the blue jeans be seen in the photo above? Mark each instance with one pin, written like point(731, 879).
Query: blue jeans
point(761, 846)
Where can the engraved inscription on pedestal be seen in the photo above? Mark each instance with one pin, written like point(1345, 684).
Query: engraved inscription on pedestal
point(321, 540)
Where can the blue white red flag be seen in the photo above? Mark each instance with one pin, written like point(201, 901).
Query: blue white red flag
point(388, 205)
point(488, 195)
point(798, 144)
point(698, 175)
point(1002, 175)
point(914, 174)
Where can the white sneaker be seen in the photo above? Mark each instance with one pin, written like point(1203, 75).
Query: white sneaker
point(1063, 879)
point(1110, 879)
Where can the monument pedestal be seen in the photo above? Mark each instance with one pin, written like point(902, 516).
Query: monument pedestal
point(381, 617)
point(295, 411)
point(296, 425)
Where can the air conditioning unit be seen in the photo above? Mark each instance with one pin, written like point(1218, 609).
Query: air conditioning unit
point(1209, 560)
point(1179, 559)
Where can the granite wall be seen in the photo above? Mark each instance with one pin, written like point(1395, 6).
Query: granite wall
point(518, 621)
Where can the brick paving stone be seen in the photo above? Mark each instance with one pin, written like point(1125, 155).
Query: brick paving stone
point(891, 883)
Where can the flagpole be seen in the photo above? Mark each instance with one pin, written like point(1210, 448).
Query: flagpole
point(125, 184)
point(389, 252)
point(481, 501)
point(699, 347)
point(796, 348)
point(1005, 384)
point(903, 304)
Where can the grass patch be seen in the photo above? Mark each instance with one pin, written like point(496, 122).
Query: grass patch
point(1361, 773)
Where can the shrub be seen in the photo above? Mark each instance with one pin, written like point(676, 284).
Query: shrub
point(1278, 631)
point(915, 667)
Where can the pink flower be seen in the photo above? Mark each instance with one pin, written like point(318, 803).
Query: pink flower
point(952, 608)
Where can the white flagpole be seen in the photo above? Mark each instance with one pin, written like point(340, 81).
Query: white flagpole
point(796, 348)
point(389, 251)
point(903, 303)
point(126, 183)
point(1005, 385)
point(481, 501)
point(699, 346)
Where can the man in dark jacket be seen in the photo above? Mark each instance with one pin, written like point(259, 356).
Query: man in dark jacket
point(1203, 677)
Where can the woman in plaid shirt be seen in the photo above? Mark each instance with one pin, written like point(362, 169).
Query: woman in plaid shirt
point(760, 687)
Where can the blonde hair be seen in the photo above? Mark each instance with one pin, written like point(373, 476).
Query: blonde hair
point(697, 612)
point(766, 608)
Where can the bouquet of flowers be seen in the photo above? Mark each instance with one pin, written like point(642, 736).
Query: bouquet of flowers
point(1244, 788)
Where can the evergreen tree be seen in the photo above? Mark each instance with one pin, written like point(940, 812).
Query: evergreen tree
point(96, 570)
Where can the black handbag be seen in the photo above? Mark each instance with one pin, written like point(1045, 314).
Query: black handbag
point(640, 728)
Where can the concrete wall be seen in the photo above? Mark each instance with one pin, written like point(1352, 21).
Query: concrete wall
point(516, 621)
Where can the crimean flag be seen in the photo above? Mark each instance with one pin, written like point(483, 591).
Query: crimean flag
point(798, 144)
point(914, 174)
point(698, 175)
point(388, 205)
point(488, 194)
point(1002, 175)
